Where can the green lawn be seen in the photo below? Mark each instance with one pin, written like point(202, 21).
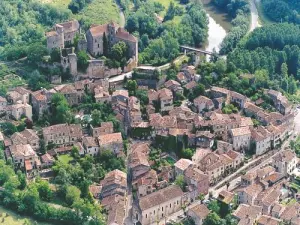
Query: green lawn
point(166, 4)
point(8, 217)
point(59, 3)
point(65, 158)
point(99, 12)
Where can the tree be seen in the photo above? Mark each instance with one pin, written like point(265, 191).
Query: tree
point(187, 153)
point(180, 182)
point(119, 52)
point(214, 206)
point(213, 219)
point(105, 45)
point(37, 81)
point(8, 128)
point(75, 152)
point(72, 195)
point(36, 52)
point(44, 190)
point(132, 87)
point(284, 70)
point(96, 117)
point(60, 109)
point(82, 61)
point(55, 55)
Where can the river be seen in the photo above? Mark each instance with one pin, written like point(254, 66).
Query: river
point(219, 25)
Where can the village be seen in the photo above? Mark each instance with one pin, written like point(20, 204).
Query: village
point(180, 156)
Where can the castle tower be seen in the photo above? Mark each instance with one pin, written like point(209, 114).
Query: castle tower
point(60, 31)
point(73, 63)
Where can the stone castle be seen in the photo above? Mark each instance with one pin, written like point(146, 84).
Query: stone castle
point(63, 36)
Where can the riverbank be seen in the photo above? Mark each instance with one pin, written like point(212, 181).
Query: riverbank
point(218, 27)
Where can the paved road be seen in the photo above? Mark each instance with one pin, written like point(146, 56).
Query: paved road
point(254, 16)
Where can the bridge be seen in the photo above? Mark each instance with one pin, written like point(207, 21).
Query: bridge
point(192, 49)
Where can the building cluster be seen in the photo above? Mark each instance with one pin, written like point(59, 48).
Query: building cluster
point(16, 104)
point(265, 195)
point(22, 147)
point(98, 40)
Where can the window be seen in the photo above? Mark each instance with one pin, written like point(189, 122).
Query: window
point(146, 215)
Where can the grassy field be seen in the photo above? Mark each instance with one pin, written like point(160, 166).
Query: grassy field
point(8, 217)
point(97, 12)
point(166, 4)
point(65, 158)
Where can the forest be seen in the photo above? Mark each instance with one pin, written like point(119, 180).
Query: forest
point(159, 42)
point(282, 10)
point(25, 22)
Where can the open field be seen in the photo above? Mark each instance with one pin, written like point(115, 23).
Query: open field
point(97, 12)
point(65, 158)
point(166, 4)
point(8, 217)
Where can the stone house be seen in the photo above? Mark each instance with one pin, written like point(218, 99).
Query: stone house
point(248, 194)
point(281, 103)
point(203, 103)
point(241, 138)
point(247, 214)
point(39, 101)
point(18, 94)
point(114, 182)
point(91, 147)
point(285, 162)
point(138, 160)
point(238, 99)
point(181, 166)
point(146, 184)
point(47, 160)
point(18, 110)
point(62, 34)
point(197, 181)
point(174, 86)
point(204, 139)
point(62, 134)
point(112, 142)
point(262, 139)
point(105, 128)
point(113, 34)
point(158, 205)
point(166, 99)
point(217, 92)
point(101, 95)
point(198, 213)
point(68, 90)
point(120, 95)
point(23, 156)
point(27, 136)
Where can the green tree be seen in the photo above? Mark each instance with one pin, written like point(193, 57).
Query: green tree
point(96, 117)
point(72, 195)
point(60, 109)
point(214, 206)
point(44, 190)
point(180, 182)
point(36, 52)
point(187, 153)
point(132, 87)
point(82, 61)
point(284, 70)
point(213, 219)
point(105, 45)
